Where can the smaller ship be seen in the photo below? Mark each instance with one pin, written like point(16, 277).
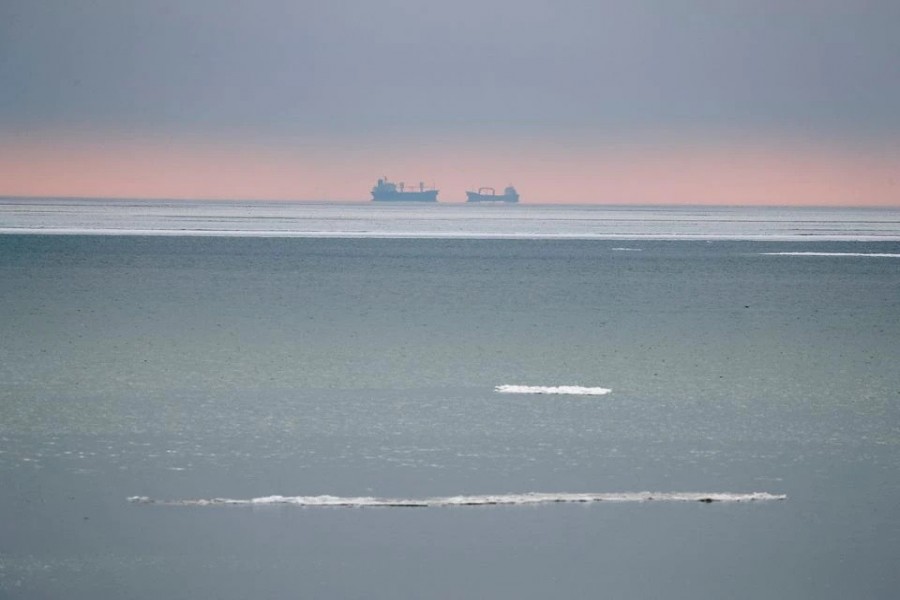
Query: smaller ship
point(388, 191)
point(489, 194)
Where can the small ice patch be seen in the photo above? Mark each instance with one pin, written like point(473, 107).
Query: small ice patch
point(573, 390)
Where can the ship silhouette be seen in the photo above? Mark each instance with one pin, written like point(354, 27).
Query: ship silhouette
point(386, 191)
point(488, 194)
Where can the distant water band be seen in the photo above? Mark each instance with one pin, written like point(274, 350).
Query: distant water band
point(531, 498)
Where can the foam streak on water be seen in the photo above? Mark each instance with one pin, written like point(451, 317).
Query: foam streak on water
point(573, 390)
point(865, 254)
point(530, 498)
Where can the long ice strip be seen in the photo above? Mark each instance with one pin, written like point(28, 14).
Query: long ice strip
point(476, 500)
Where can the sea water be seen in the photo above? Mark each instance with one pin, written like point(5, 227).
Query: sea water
point(511, 402)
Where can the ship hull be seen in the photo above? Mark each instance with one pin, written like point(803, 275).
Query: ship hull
point(423, 196)
point(476, 197)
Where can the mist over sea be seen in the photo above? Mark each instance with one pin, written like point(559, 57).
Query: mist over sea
point(238, 399)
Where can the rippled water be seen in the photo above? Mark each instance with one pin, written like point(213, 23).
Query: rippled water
point(179, 370)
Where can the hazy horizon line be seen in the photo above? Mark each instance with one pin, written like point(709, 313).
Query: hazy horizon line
point(352, 202)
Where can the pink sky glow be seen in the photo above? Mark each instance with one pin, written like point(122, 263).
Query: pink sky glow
point(732, 173)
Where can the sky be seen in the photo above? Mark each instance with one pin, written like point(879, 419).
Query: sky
point(785, 102)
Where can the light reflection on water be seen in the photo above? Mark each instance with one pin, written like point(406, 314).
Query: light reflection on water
point(254, 218)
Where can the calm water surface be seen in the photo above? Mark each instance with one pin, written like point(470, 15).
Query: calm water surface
point(201, 367)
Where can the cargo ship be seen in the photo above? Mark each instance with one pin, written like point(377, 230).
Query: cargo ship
point(386, 191)
point(488, 194)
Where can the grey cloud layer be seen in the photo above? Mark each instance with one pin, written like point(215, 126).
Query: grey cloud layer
point(358, 65)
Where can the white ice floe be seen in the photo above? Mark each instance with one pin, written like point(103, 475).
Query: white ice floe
point(530, 498)
point(865, 254)
point(574, 390)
